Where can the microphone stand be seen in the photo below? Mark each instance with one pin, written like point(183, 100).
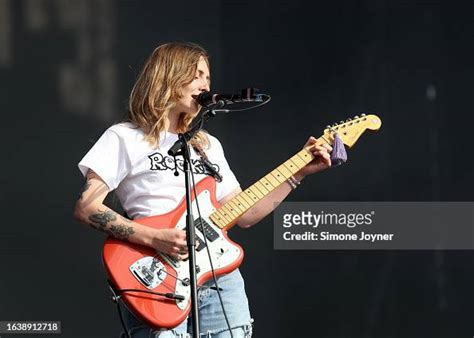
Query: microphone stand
point(181, 147)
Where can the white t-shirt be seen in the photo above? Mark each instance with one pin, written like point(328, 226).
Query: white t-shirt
point(143, 177)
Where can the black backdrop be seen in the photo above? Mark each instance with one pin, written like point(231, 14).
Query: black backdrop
point(66, 68)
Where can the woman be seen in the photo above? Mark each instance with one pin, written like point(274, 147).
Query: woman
point(131, 159)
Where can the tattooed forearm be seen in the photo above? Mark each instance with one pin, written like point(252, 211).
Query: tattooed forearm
point(121, 231)
point(118, 231)
point(84, 189)
point(103, 217)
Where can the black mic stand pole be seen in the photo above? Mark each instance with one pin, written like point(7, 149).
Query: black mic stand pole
point(181, 147)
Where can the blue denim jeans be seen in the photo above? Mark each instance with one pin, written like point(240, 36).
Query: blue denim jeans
point(211, 318)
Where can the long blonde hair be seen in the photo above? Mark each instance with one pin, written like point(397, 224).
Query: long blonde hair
point(158, 88)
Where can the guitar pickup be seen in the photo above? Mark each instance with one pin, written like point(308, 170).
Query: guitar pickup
point(206, 229)
point(170, 260)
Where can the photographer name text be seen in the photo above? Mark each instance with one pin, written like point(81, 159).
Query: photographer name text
point(341, 220)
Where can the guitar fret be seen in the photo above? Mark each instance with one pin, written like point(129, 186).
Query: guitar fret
point(287, 167)
point(256, 192)
point(225, 214)
point(267, 184)
point(292, 160)
point(292, 166)
point(227, 219)
point(214, 219)
point(305, 155)
point(261, 188)
point(247, 199)
point(267, 188)
point(222, 216)
point(301, 157)
point(298, 161)
point(253, 197)
point(233, 209)
point(217, 215)
point(240, 198)
point(236, 207)
point(286, 173)
point(273, 181)
point(326, 141)
point(230, 211)
point(278, 176)
point(219, 219)
point(234, 213)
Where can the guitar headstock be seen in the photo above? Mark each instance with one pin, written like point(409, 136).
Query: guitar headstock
point(350, 130)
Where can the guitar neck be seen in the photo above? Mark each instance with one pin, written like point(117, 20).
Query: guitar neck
point(348, 132)
point(229, 212)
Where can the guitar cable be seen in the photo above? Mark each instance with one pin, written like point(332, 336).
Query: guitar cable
point(209, 256)
point(117, 295)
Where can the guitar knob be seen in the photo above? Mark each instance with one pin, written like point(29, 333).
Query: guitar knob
point(328, 126)
point(341, 122)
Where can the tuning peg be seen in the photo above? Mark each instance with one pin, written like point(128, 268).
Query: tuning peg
point(363, 114)
point(356, 117)
point(328, 126)
point(349, 119)
point(335, 124)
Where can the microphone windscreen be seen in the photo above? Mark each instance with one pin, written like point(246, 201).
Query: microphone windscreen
point(204, 99)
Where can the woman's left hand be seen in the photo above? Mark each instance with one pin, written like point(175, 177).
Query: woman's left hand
point(321, 161)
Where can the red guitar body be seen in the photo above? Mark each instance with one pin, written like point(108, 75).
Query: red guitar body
point(131, 266)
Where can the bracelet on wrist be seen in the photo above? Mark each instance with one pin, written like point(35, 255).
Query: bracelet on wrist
point(293, 182)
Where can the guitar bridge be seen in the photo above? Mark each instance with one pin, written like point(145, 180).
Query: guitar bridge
point(149, 271)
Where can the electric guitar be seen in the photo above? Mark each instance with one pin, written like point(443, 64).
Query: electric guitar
point(155, 286)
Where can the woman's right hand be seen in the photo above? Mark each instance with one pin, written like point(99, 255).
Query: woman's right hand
point(171, 242)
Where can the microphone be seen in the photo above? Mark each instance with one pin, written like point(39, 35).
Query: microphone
point(206, 99)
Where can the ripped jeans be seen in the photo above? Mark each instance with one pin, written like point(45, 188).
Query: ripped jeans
point(211, 319)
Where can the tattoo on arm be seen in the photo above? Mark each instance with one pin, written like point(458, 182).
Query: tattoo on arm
point(103, 217)
point(100, 189)
point(121, 231)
